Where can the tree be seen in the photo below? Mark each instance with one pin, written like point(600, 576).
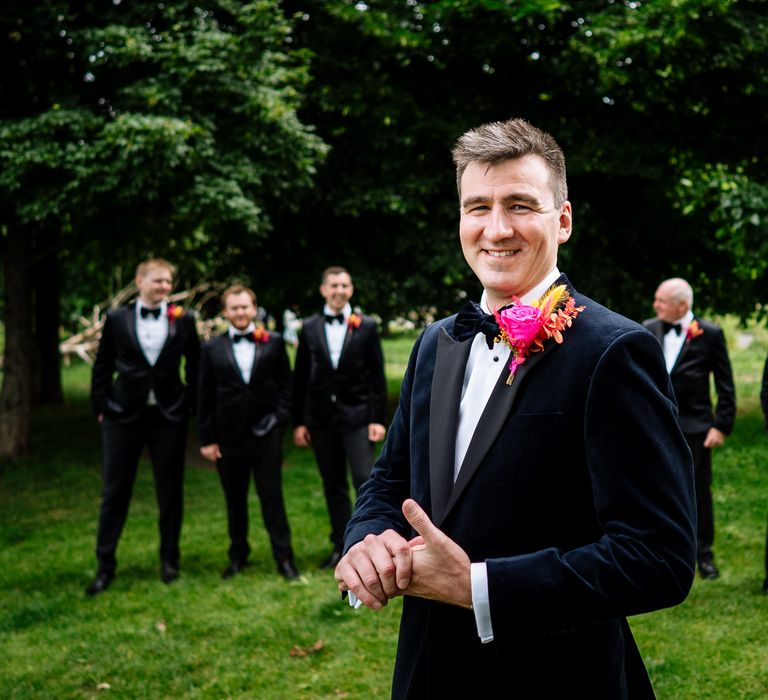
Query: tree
point(642, 96)
point(154, 128)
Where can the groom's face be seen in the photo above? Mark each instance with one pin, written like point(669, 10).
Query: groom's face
point(510, 228)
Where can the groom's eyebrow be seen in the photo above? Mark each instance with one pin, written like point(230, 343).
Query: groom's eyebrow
point(514, 198)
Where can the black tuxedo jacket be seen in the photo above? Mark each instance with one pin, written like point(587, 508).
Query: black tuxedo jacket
point(577, 492)
point(357, 388)
point(229, 410)
point(122, 397)
point(699, 357)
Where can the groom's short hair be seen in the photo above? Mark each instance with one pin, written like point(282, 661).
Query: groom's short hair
point(334, 270)
point(497, 142)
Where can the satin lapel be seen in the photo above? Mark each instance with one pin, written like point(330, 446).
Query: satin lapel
point(257, 355)
point(658, 330)
point(683, 350)
point(448, 377)
point(347, 339)
point(130, 326)
point(172, 330)
point(229, 352)
point(319, 330)
point(492, 419)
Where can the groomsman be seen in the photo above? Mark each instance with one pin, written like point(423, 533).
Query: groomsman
point(340, 399)
point(140, 400)
point(694, 349)
point(244, 401)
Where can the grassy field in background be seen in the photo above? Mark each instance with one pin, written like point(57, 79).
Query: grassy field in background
point(256, 636)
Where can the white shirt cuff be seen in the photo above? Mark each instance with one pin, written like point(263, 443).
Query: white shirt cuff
point(480, 603)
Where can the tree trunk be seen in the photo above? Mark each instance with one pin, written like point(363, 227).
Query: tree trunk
point(16, 393)
point(47, 302)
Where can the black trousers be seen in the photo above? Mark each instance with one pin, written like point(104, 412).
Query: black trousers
point(333, 448)
point(122, 445)
point(264, 457)
point(702, 473)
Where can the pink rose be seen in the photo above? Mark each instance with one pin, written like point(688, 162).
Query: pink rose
point(521, 324)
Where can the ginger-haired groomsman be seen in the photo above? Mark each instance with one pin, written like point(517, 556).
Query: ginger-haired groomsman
point(140, 401)
point(340, 399)
point(244, 402)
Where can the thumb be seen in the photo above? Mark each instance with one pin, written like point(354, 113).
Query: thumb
point(420, 521)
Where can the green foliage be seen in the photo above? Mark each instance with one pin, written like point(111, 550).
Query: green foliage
point(173, 129)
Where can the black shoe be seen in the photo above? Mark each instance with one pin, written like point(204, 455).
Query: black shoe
point(234, 568)
point(168, 572)
point(333, 559)
point(765, 586)
point(287, 569)
point(708, 570)
point(100, 583)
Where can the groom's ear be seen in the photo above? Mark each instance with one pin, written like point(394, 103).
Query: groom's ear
point(566, 222)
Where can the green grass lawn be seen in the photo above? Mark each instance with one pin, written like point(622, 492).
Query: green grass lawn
point(256, 636)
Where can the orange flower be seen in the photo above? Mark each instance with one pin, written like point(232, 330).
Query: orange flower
point(525, 328)
point(354, 321)
point(260, 334)
point(174, 312)
point(694, 331)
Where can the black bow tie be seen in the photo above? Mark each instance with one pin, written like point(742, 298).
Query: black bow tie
point(667, 327)
point(154, 313)
point(472, 320)
point(330, 318)
point(237, 337)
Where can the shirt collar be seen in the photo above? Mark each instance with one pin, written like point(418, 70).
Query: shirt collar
point(163, 306)
point(347, 310)
point(249, 329)
point(531, 295)
point(685, 321)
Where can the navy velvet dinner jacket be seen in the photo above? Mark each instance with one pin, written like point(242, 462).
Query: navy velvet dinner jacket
point(577, 492)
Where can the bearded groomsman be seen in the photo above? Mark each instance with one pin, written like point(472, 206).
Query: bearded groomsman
point(244, 401)
point(340, 399)
point(140, 400)
point(694, 349)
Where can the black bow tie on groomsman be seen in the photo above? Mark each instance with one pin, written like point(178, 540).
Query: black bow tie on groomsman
point(331, 318)
point(243, 336)
point(154, 313)
point(472, 320)
point(667, 327)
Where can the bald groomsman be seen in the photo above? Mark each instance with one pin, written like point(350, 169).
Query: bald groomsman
point(694, 349)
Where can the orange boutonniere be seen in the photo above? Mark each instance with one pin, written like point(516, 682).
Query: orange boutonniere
point(260, 334)
point(354, 322)
point(174, 312)
point(524, 328)
point(694, 331)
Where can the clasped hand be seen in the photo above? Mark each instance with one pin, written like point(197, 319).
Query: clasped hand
point(384, 566)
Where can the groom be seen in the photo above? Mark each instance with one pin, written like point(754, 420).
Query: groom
point(523, 522)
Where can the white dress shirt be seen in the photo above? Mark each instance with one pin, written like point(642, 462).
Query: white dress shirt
point(673, 342)
point(151, 333)
point(335, 332)
point(480, 376)
point(244, 350)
